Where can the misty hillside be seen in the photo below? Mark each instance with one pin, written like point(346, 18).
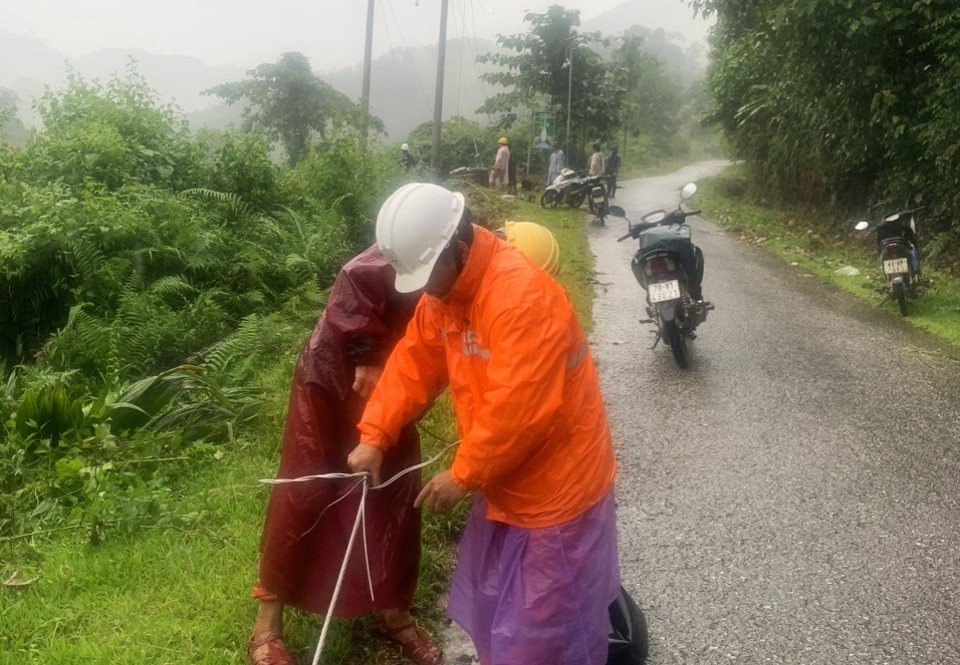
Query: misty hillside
point(176, 78)
point(402, 90)
point(402, 84)
point(28, 58)
point(672, 16)
point(27, 65)
point(402, 80)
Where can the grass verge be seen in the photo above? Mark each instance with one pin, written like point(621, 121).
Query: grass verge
point(181, 595)
point(822, 243)
point(576, 261)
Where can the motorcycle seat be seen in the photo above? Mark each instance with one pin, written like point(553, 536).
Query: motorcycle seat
point(664, 237)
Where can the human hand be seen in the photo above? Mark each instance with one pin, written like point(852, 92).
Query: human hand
point(440, 494)
point(365, 379)
point(366, 458)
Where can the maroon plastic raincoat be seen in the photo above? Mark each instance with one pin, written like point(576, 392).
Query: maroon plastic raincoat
point(302, 549)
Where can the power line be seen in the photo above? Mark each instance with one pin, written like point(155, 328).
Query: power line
point(483, 88)
point(463, 48)
point(413, 65)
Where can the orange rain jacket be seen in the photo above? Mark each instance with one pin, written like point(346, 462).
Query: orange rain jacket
point(535, 438)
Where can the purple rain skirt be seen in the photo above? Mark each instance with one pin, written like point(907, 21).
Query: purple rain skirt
point(537, 596)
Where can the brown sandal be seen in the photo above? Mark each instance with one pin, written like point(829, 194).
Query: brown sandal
point(418, 646)
point(269, 650)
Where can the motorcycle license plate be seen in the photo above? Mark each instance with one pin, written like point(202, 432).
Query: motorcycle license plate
point(895, 266)
point(660, 291)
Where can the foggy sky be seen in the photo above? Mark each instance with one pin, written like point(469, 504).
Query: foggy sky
point(246, 33)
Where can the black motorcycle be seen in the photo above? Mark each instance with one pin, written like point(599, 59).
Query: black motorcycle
point(670, 267)
point(899, 254)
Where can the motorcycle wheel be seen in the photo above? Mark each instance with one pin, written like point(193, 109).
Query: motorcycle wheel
point(576, 200)
point(677, 342)
point(629, 642)
point(603, 206)
point(549, 199)
point(900, 294)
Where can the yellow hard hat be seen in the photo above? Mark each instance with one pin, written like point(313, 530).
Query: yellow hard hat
point(537, 242)
point(502, 140)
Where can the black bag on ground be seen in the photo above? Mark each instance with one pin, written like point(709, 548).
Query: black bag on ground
point(628, 641)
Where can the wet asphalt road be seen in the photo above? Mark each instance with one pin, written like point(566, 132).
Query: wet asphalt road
point(793, 497)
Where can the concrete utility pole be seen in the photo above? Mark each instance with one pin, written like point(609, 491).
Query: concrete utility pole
point(569, 95)
point(438, 97)
point(365, 94)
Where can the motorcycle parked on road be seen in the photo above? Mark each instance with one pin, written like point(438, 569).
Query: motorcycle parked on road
point(556, 192)
point(899, 255)
point(573, 189)
point(670, 268)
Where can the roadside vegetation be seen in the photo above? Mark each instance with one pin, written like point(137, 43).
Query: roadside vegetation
point(155, 289)
point(156, 286)
point(639, 90)
point(840, 112)
point(822, 241)
point(849, 106)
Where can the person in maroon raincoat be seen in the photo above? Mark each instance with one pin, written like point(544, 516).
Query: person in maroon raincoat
point(303, 545)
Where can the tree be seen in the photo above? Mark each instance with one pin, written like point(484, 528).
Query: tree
point(819, 94)
point(851, 102)
point(534, 71)
point(463, 142)
point(287, 101)
point(11, 128)
point(651, 99)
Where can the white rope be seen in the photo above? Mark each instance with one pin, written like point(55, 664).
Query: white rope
point(331, 505)
point(361, 474)
point(343, 572)
point(359, 523)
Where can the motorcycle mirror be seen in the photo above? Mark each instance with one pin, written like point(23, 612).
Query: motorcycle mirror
point(616, 211)
point(688, 190)
point(861, 226)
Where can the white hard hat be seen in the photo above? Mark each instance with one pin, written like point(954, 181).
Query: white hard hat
point(404, 146)
point(414, 225)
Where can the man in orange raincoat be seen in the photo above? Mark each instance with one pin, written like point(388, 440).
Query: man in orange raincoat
point(538, 564)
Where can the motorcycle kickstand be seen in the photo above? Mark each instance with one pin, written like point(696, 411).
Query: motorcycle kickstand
point(658, 336)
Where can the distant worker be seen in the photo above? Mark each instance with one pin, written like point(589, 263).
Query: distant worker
point(555, 163)
point(612, 169)
point(406, 159)
point(596, 161)
point(501, 163)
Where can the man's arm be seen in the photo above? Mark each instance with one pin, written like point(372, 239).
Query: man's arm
point(414, 375)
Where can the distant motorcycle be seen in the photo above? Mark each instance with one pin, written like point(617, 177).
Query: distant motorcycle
point(556, 192)
point(573, 189)
point(899, 254)
point(670, 268)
